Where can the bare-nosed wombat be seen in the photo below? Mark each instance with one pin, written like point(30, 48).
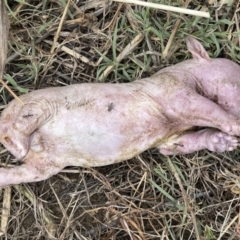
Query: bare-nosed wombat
point(101, 123)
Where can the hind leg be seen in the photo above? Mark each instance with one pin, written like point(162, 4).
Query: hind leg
point(211, 139)
point(191, 109)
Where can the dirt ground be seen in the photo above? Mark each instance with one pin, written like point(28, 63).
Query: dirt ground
point(151, 196)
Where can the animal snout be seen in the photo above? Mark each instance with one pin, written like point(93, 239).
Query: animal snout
point(16, 146)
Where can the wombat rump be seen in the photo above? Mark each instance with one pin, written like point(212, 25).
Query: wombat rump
point(184, 108)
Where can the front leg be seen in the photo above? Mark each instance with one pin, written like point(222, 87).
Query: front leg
point(211, 139)
point(36, 167)
point(16, 129)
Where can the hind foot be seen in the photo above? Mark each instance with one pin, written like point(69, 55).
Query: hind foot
point(220, 142)
point(211, 139)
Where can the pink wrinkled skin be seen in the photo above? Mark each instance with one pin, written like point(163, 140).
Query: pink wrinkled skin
point(100, 124)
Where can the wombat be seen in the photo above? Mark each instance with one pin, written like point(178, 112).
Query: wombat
point(184, 108)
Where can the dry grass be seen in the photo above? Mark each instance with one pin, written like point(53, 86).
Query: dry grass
point(151, 196)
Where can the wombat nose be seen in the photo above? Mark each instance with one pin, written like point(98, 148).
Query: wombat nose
point(6, 139)
point(17, 147)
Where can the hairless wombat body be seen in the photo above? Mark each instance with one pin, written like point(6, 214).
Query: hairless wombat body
point(100, 124)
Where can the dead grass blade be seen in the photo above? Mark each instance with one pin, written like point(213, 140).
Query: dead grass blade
point(5, 210)
point(49, 223)
point(170, 40)
point(126, 221)
point(60, 26)
point(127, 50)
point(72, 53)
point(166, 7)
point(185, 197)
point(4, 29)
point(11, 92)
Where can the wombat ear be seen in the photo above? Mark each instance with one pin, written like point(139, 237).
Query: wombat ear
point(196, 48)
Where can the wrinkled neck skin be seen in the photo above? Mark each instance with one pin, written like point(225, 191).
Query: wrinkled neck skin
point(217, 79)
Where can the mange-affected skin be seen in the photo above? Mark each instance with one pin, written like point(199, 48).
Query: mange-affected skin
point(100, 124)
